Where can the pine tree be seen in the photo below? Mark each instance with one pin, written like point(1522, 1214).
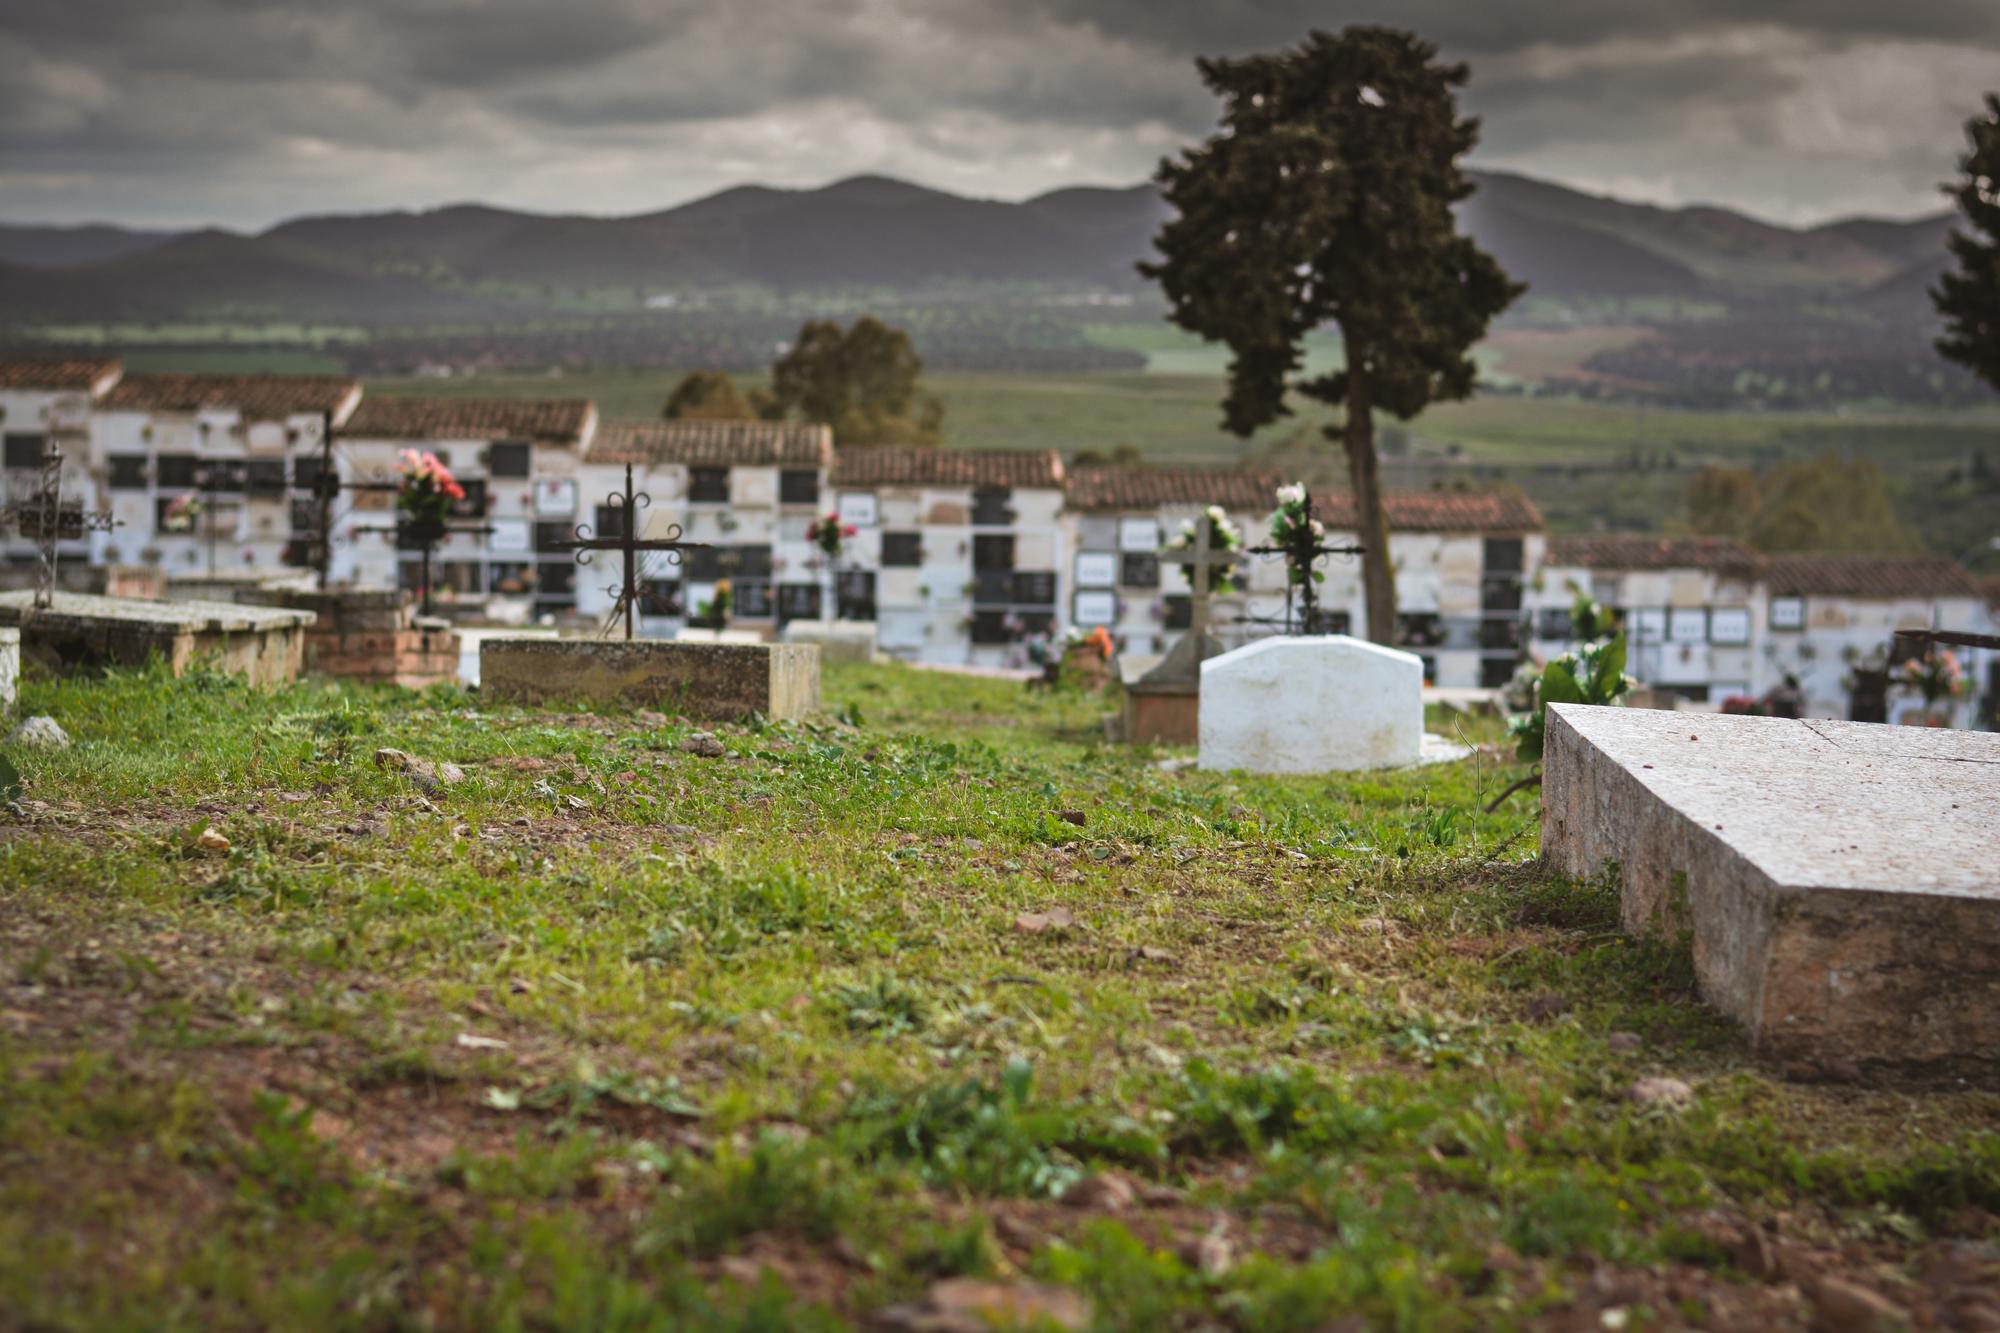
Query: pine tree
point(1327, 199)
point(1969, 299)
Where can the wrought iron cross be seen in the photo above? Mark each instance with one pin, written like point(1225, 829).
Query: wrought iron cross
point(45, 518)
point(629, 544)
point(1300, 556)
point(427, 539)
point(1201, 578)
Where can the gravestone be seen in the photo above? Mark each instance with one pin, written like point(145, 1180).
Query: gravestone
point(371, 635)
point(1163, 704)
point(837, 640)
point(1837, 880)
point(715, 681)
point(1314, 704)
point(78, 630)
point(10, 668)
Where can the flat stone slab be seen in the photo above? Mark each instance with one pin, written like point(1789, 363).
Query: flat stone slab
point(838, 641)
point(715, 681)
point(1311, 704)
point(1839, 881)
point(264, 644)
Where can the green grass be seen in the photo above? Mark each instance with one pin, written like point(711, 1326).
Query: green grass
point(776, 1053)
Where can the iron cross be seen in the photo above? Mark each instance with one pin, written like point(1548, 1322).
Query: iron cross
point(629, 544)
point(45, 518)
point(1300, 556)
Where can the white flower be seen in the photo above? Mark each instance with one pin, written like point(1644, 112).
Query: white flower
point(1292, 494)
point(1217, 517)
point(1319, 529)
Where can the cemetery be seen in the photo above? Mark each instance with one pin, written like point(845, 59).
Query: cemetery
point(731, 987)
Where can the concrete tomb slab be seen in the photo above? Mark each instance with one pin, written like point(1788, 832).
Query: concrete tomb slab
point(714, 681)
point(1314, 704)
point(838, 640)
point(10, 668)
point(369, 634)
point(1840, 881)
point(264, 644)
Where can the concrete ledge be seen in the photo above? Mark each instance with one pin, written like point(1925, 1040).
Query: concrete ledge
point(266, 645)
point(837, 641)
point(1837, 879)
point(715, 681)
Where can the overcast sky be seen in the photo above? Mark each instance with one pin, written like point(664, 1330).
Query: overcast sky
point(179, 112)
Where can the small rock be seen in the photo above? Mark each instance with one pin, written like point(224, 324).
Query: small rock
point(427, 775)
point(1076, 817)
point(1160, 1196)
point(474, 1043)
point(1755, 1255)
point(1624, 1043)
point(1107, 1191)
point(1037, 923)
point(1841, 1306)
point(208, 840)
point(41, 731)
point(650, 720)
point(1146, 953)
point(678, 830)
point(1214, 1254)
point(1669, 1092)
point(1544, 1007)
point(704, 745)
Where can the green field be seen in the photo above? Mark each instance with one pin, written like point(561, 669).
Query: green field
point(934, 1000)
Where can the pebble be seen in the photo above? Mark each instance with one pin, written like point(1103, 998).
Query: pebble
point(41, 731)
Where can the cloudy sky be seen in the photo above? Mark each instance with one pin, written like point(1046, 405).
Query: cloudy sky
point(240, 112)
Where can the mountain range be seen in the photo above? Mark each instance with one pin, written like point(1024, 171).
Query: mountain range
point(872, 235)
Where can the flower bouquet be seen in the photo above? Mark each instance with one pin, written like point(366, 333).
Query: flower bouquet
point(1222, 536)
point(1939, 678)
point(180, 513)
point(1296, 534)
point(426, 496)
point(830, 535)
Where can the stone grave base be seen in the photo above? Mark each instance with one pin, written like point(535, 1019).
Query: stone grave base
point(1315, 704)
point(691, 634)
point(714, 681)
point(10, 668)
point(1161, 717)
point(372, 635)
point(1837, 880)
point(264, 644)
point(838, 641)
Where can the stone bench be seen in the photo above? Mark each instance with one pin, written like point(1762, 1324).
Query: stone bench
point(715, 681)
point(80, 630)
point(1839, 881)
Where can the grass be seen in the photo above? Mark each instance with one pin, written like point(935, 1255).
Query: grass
point(611, 1035)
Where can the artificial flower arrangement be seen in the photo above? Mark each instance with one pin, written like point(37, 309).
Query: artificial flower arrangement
point(1222, 536)
point(180, 513)
point(428, 491)
point(1936, 675)
point(830, 535)
point(1298, 536)
point(715, 611)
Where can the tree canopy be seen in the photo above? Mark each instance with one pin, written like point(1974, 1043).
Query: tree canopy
point(1826, 504)
point(708, 395)
point(864, 381)
point(1326, 198)
point(1969, 298)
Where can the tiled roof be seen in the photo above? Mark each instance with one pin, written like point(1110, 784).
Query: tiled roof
point(883, 465)
point(58, 374)
point(1720, 555)
point(1839, 574)
point(554, 420)
point(714, 443)
point(259, 396)
point(1437, 511)
point(1096, 487)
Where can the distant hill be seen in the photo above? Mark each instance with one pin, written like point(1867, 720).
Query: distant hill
point(59, 247)
point(875, 236)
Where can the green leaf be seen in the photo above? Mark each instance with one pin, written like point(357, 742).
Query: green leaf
point(1607, 679)
point(1559, 683)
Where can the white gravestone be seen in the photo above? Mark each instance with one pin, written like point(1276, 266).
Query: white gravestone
point(10, 667)
point(1316, 704)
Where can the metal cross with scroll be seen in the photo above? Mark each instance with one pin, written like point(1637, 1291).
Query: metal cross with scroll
point(425, 536)
point(1300, 555)
point(628, 543)
point(45, 518)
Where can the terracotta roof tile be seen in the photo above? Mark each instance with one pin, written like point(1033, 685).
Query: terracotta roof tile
point(257, 396)
point(1096, 487)
point(714, 443)
point(1437, 511)
point(1721, 555)
point(552, 420)
point(1840, 574)
point(883, 465)
point(58, 374)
